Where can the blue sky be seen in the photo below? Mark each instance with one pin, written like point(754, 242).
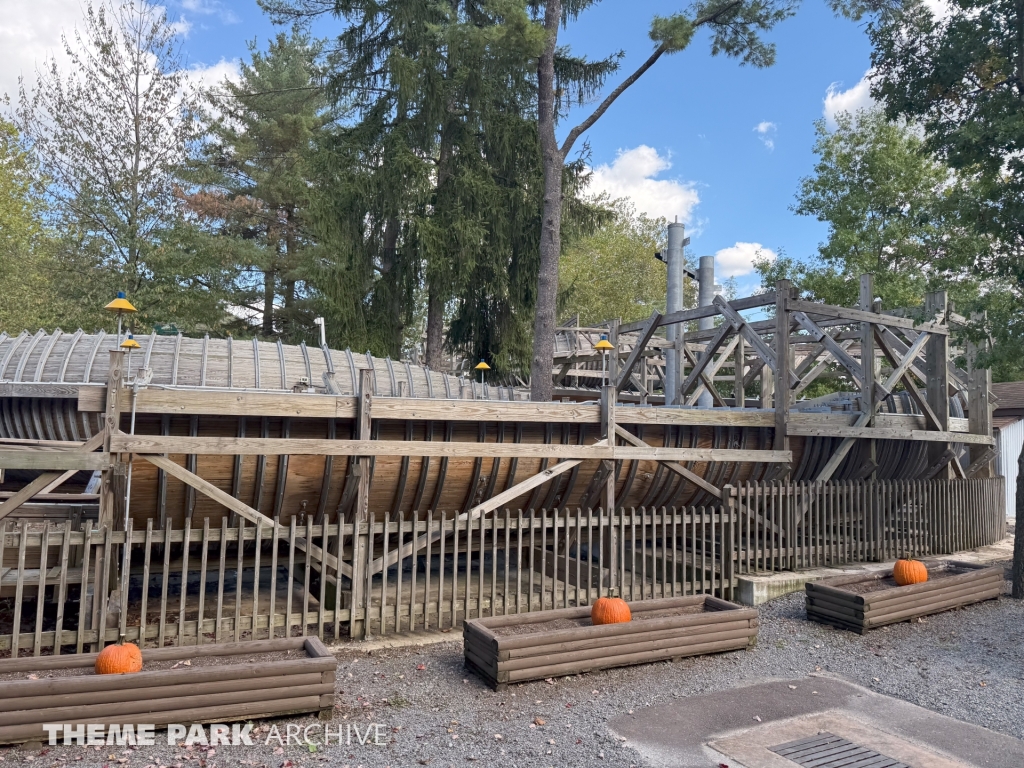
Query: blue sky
point(721, 145)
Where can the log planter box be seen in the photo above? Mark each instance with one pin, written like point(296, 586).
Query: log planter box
point(863, 602)
point(225, 682)
point(513, 649)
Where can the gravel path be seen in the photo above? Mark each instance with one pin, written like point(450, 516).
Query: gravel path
point(965, 664)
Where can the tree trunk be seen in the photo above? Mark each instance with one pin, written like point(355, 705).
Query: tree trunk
point(541, 385)
point(1018, 532)
point(435, 330)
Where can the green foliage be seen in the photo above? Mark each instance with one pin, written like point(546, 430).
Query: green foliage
point(673, 32)
point(26, 261)
point(612, 273)
point(108, 138)
point(962, 78)
point(891, 211)
point(250, 187)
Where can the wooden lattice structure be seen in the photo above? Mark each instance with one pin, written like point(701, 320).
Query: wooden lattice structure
point(191, 430)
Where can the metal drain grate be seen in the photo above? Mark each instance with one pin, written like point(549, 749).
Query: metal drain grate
point(829, 751)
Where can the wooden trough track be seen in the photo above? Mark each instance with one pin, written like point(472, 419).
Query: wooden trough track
point(214, 397)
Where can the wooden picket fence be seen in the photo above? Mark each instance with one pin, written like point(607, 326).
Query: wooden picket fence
point(431, 571)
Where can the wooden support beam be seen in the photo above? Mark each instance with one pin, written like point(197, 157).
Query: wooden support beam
point(932, 420)
point(155, 444)
point(209, 489)
point(503, 498)
point(782, 393)
point(706, 360)
point(807, 378)
point(868, 402)
point(62, 460)
point(672, 466)
point(937, 371)
point(900, 365)
point(650, 326)
point(707, 376)
point(841, 356)
point(860, 432)
point(739, 390)
point(979, 408)
point(861, 316)
point(45, 479)
point(837, 458)
point(940, 464)
point(688, 315)
point(756, 342)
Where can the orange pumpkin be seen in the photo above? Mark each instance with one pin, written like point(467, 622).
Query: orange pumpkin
point(120, 659)
point(907, 572)
point(610, 610)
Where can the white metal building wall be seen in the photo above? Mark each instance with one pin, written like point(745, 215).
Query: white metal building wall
point(1011, 439)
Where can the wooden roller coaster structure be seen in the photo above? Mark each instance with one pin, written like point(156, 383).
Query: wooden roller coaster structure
point(187, 428)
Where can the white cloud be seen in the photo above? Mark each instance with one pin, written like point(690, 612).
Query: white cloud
point(738, 260)
point(30, 32)
point(210, 8)
point(850, 100)
point(766, 131)
point(207, 76)
point(633, 175)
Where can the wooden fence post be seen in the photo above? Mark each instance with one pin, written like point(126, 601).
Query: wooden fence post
point(361, 579)
point(611, 539)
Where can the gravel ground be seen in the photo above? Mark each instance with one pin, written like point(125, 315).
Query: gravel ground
point(964, 663)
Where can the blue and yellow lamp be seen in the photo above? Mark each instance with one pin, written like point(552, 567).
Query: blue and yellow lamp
point(605, 346)
point(482, 366)
point(121, 305)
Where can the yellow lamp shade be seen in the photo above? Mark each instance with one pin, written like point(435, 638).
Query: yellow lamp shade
point(130, 343)
point(120, 304)
point(482, 366)
point(603, 344)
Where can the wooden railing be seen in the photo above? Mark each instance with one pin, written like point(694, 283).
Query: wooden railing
point(432, 571)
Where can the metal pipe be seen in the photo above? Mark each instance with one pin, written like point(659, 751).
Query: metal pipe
point(674, 303)
point(705, 297)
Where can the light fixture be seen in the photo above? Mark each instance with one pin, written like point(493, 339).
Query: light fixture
point(482, 366)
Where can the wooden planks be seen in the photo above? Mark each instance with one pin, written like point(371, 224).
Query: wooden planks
point(233, 691)
point(833, 601)
point(155, 444)
point(503, 659)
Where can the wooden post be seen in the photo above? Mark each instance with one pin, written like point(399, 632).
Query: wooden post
point(867, 363)
point(937, 374)
point(979, 413)
point(739, 395)
point(611, 539)
point(109, 503)
point(782, 390)
point(767, 387)
point(613, 356)
point(361, 515)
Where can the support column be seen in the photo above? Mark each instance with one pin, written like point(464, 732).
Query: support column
point(361, 514)
point(675, 260)
point(782, 391)
point(705, 298)
point(979, 413)
point(936, 371)
point(109, 486)
point(738, 393)
point(611, 538)
point(867, 363)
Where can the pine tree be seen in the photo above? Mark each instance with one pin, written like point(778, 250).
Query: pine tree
point(250, 187)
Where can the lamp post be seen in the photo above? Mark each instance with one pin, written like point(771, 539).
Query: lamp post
point(482, 366)
point(604, 345)
point(120, 305)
